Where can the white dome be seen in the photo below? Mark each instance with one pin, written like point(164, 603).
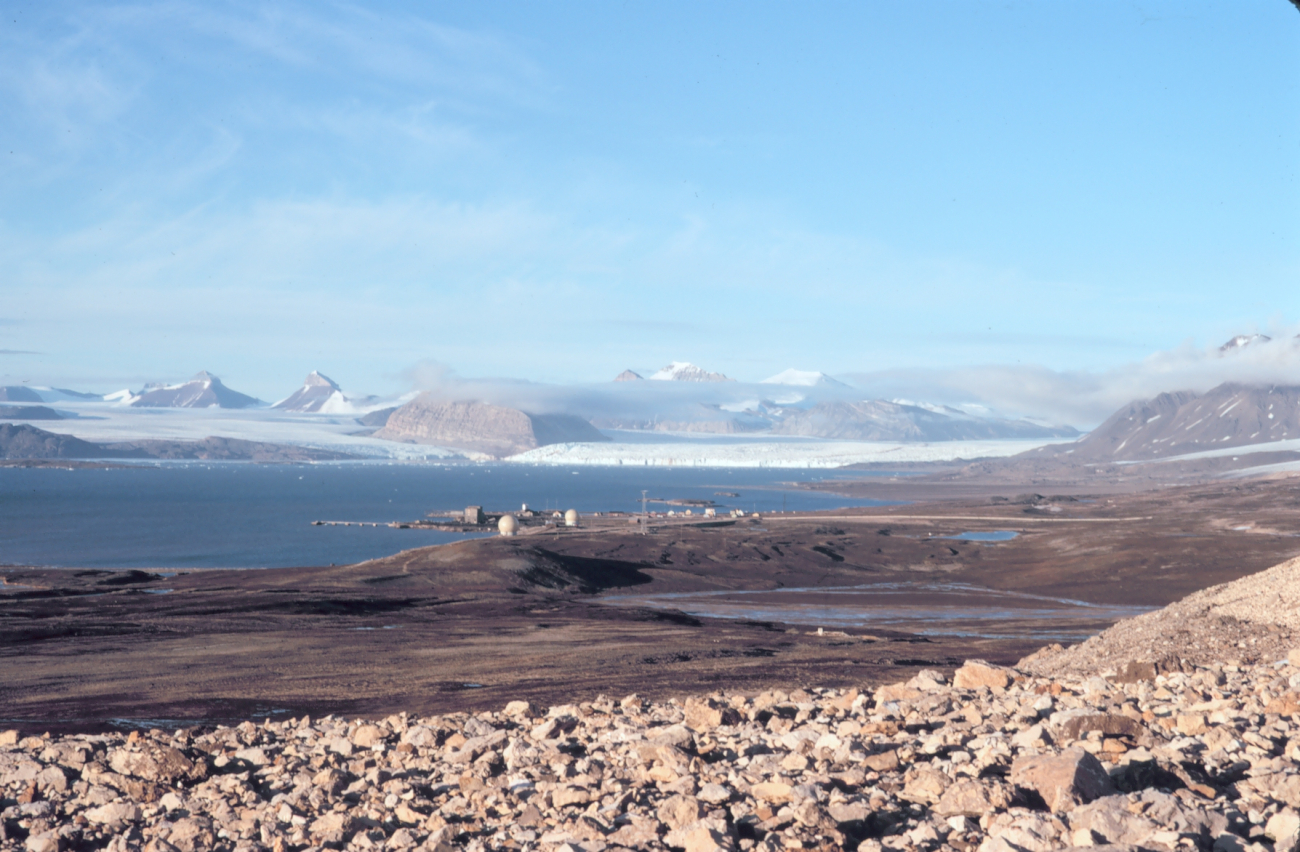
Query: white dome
point(571, 518)
point(507, 525)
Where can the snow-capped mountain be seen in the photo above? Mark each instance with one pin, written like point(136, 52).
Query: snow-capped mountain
point(318, 393)
point(203, 391)
point(629, 376)
point(682, 371)
point(1241, 341)
point(803, 379)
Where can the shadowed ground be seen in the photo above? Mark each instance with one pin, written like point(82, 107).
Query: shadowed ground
point(479, 623)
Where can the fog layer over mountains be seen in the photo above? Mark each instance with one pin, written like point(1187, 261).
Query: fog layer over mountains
point(684, 398)
point(685, 402)
point(1086, 398)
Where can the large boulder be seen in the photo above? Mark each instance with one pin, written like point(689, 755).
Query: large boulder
point(1064, 780)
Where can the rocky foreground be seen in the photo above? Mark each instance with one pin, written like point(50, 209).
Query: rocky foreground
point(992, 759)
point(1174, 730)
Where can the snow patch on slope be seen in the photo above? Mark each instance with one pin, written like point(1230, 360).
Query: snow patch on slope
point(684, 371)
point(802, 378)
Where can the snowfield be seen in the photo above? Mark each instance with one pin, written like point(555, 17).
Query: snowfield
point(807, 453)
point(104, 422)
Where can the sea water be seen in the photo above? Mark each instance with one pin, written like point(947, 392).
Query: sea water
point(243, 515)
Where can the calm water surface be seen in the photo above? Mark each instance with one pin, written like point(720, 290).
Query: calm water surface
point(239, 515)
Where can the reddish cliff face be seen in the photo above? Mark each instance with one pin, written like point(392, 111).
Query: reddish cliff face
point(478, 427)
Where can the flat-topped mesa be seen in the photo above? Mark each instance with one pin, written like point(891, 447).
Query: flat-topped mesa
point(203, 391)
point(479, 427)
point(318, 391)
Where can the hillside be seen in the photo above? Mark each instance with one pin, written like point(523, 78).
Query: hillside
point(28, 442)
point(18, 393)
point(1176, 424)
point(28, 412)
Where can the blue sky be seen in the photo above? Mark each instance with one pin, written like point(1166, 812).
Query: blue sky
point(558, 191)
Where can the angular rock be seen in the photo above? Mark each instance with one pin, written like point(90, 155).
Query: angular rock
point(114, 813)
point(161, 764)
point(973, 798)
point(706, 714)
point(977, 673)
point(776, 792)
point(1065, 780)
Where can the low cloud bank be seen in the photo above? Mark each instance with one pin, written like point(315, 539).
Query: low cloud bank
point(643, 401)
point(1083, 398)
point(1079, 398)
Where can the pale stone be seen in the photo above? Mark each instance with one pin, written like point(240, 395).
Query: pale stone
point(569, 795)
point(885, 761)
point(679, 811)
point(973, 798)
point(977, 673)
point(255, 756)
point(46, 841)
point(704, 839)
point(114, 813)
point(706, 714)
point(925, 785)
point(332, 823)
point(157, 763)
point(771, 791)
point(794, 763)
point(1282, 825)
point(366, 736)
point(420, 736)
point(897, 692)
